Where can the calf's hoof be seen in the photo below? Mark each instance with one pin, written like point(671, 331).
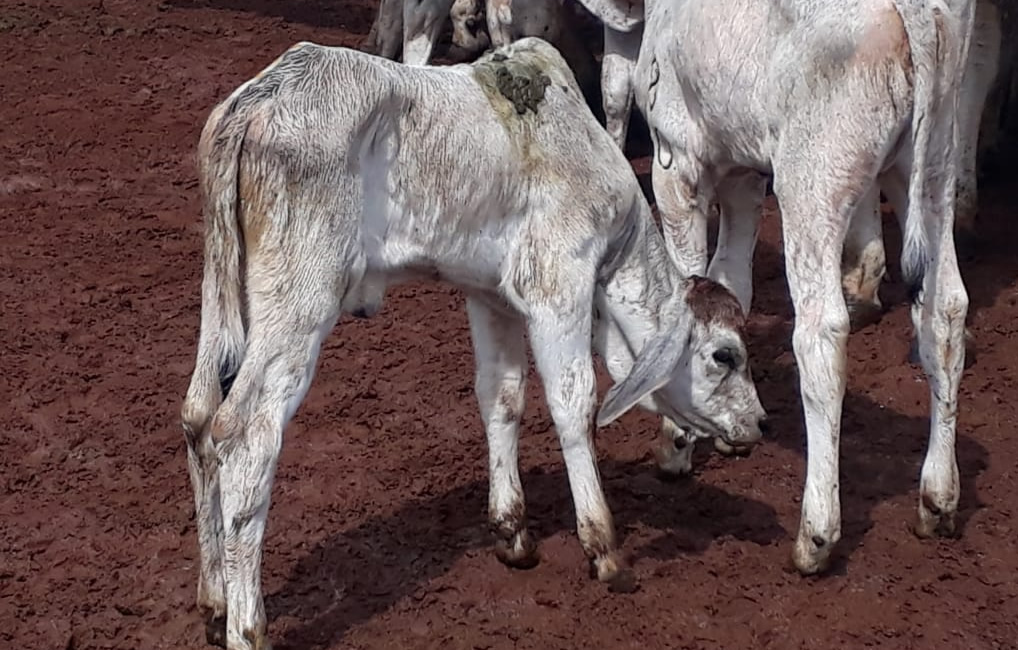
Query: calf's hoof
point(619, 578)
point(257, 640)
point(215, 632)
point(812, 554)
point(726, 449)
point(215, 625)
point(935, 520)
point(518, 551)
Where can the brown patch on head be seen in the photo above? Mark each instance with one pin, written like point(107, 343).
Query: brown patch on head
point(711, 302)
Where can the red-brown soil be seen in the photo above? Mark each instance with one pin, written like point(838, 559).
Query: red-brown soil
point(377, 535)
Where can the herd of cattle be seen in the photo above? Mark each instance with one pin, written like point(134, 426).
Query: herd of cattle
point(334, 173)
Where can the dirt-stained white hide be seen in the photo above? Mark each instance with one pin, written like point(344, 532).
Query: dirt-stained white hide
point(333, 174)
point(833, 100)
point(623, 32)
point(864, 257)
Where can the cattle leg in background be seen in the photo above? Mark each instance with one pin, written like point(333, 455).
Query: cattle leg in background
point(623, 32)
point(386, 35)
point(620, 52)
point(422, 25)
point(469, 29)
point(740, 196)
point(980, 74)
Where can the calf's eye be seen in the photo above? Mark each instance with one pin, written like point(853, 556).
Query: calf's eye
point(725, 357)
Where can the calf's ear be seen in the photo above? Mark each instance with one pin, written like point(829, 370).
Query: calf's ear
point(652, 370)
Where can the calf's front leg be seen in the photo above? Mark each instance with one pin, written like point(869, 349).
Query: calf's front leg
point(562, 354)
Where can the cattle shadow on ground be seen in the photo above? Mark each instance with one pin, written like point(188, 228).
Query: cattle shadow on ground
point(359, 573)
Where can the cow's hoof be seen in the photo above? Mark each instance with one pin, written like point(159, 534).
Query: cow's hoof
point(726, 449)
point(812, 554)
point(674, 458)
point(934, 520)
point(257, 640)
point(518, 552)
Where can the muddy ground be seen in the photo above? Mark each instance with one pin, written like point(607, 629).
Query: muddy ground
point(377, 534)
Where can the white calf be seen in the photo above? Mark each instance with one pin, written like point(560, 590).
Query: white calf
point(830, 98)
point(334, 173)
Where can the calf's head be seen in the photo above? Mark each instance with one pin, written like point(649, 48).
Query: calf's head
point(695, 369)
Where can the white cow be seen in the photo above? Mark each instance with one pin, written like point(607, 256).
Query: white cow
point(863, 258)
point(831, 99)
point(334, 173)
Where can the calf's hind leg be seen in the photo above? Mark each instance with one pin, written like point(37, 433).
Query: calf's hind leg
point(284, 339)
point(500, 383)
point(203, 397)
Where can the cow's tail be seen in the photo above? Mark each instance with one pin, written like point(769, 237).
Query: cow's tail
point(939, 39)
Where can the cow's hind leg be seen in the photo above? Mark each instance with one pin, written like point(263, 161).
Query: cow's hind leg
point(817, 203)
point(289, 319)
point(422, 25)
point(813, 234)
point(617, 68)
point(500, 382)
point(940, 305)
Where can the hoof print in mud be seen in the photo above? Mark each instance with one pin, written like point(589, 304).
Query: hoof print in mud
point(624, 582)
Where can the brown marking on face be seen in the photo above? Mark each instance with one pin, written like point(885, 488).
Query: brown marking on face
point(711, 302)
